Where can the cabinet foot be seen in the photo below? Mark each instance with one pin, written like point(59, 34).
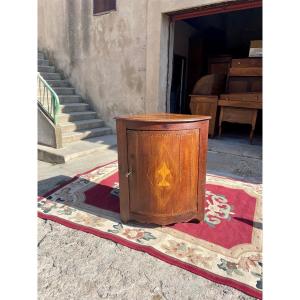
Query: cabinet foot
point(124, 220)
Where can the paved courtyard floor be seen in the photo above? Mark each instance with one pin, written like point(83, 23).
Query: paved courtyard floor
point(76, 265)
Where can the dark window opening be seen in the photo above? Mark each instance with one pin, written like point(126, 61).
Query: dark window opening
point(104, 6)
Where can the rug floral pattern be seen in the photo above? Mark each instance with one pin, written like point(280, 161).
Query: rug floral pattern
point(243, 265)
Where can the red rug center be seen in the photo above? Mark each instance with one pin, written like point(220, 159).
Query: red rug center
point(228, 220)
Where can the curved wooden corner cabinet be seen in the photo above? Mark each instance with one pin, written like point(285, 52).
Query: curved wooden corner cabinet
point(162, 167)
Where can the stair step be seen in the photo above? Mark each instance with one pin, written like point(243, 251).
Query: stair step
point(46, 69)
point(67, 99)
point(78, 149)
point(59, 83)
point(64, 90)
point(76, 116)
point(80, 125)
point(70, 137)
point(72, 107)
point(43, 62)
point(47, 76)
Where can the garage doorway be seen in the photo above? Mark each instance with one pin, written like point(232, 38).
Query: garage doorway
point(210, 42)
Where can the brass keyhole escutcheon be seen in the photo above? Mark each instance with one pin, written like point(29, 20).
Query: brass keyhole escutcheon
point(128, 174)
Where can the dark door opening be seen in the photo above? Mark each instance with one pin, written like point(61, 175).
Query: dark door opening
point(207, 45)
point(177, 98)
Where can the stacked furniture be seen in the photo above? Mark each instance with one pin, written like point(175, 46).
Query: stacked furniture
point(219, 64)
point(243, 98)
point(245, 75)
point(206, 105)
point(204, 98)
point(238, 100)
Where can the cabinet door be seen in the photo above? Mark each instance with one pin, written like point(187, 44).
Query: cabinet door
point(164, 172)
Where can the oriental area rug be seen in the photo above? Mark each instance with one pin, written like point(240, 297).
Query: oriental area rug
point(225, 248)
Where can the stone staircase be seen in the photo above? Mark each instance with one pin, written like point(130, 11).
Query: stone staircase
point(76, 119)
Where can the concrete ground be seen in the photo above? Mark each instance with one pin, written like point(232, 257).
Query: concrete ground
point(76, 265)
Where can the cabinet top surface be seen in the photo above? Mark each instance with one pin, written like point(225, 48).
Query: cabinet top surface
point(164, 117)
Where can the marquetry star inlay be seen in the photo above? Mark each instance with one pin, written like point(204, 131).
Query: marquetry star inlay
point(164, 172)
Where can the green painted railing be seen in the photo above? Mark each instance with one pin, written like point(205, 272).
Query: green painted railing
point(47, 98)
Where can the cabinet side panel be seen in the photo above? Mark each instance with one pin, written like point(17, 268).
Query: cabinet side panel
point(203, 139)
point(123, 169)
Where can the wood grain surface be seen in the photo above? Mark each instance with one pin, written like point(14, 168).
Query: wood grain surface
point(162, 172)
point(206, 105)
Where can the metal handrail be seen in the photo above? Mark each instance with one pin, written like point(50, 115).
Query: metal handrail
point(47, 98)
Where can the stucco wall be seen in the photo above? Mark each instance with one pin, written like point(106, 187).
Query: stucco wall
point(104, 56)
point(118, 61)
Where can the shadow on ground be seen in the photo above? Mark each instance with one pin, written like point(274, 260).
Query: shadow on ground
point(48, 184)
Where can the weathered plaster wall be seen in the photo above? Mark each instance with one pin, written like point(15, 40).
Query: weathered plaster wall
point(104, 56)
